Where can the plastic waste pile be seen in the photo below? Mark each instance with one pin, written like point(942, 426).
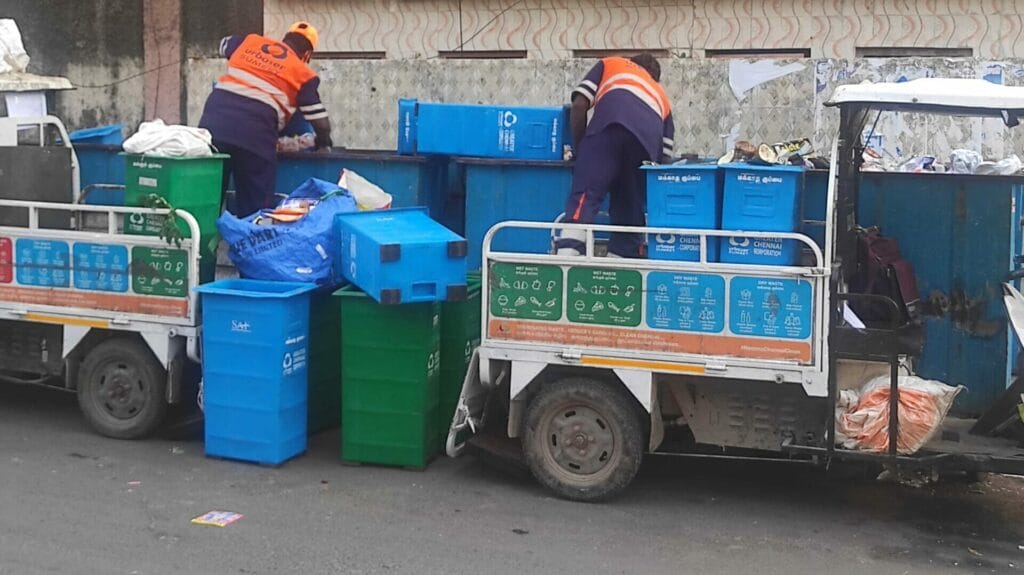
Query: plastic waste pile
point(299, 143)
point(794, 152)
point(862, 416)
point(960, 161)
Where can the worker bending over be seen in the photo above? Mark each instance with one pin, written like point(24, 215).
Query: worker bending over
point(631, 123)
point(266, 83)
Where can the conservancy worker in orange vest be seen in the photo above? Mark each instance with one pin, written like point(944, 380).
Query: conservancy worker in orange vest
point(267, 82)
point(632, 122)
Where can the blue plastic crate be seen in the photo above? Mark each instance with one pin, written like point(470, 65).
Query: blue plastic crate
point(761, 199)
point(683, 196)
point(255, 357)
point(526, 133)
point(402, 256)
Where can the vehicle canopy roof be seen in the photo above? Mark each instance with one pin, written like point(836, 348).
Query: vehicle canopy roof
point(951, 96)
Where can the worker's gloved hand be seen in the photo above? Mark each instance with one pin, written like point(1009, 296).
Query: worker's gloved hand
point(323, 142)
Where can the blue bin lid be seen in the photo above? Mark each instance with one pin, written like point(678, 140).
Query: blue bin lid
point(96, 133)
point(238, 287)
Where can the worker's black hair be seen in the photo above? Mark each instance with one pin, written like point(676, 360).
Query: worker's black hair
point(648, 62)
point(299, 43)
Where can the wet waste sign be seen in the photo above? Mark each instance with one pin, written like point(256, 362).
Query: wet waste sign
point(526, 291)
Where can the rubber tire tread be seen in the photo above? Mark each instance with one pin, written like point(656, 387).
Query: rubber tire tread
point(616, 405)
point(132, 351)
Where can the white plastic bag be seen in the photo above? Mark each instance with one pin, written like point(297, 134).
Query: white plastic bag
point(159, 139)
point(13, 57)
point(1005, 167)
point(964, 161)
point(368, 196)
point(862, 418)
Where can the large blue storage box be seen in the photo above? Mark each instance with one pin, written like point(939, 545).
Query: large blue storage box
point(402, 256)
point(526, 133)
point(255, 356)
point(761, 199)
point(683, 196)
point(504, 190)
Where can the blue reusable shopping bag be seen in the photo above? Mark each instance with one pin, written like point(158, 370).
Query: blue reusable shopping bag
point(300, 251)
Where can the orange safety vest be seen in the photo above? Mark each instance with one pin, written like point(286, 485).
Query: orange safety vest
point(267, 71)
point(623, 74)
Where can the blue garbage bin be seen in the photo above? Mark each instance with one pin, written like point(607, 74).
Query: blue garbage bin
point(99, 162)
point(255, 356)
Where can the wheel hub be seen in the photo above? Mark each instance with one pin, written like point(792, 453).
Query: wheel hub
point(121, 392)
point(581, 442)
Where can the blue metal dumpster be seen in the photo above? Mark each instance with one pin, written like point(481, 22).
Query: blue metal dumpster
point(412, 181)
point(503, 190)
point(960, 266)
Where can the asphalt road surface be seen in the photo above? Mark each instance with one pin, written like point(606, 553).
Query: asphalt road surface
point(74, 502)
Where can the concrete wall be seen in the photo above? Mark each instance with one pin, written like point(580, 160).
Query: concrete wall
point(362, 97)
point(552, 29)
point(97, 45)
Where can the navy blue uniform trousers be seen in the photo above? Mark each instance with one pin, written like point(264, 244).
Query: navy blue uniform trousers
point(608, 162)
point(255, 178)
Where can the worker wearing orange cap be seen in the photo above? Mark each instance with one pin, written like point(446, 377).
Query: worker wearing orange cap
point(267, 82)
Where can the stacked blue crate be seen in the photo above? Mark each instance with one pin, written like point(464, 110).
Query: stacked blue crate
point(761, 199)
point(683, 196)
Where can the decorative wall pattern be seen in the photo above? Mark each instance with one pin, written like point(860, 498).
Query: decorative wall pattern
point(550, 29)
point(362, 97)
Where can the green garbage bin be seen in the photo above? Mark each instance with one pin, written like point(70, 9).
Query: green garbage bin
point(460, 335)
point(390, 358)
point(190, 184)
point(324, 365)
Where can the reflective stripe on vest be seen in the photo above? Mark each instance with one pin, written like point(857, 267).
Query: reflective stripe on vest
point(622, 74)
point(269, 72)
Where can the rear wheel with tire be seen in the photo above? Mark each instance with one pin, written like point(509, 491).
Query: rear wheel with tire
point(584, 438)
point(121, 389)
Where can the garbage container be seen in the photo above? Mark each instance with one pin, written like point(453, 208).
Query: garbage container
point(324, 367)
point(460, 335)
point(190, 184)
point(98, 152)
point(390, 359)
point(503, 190)
point(412, 181)
point(255, 356)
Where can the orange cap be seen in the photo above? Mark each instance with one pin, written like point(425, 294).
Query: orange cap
point(307, 31)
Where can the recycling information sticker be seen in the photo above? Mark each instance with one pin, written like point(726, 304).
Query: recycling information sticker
point(43, 263)
point(101, 267)
point(160, 271)
point(770, 307)
point(604, 296)
point(686, 302)
point(526, 291)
